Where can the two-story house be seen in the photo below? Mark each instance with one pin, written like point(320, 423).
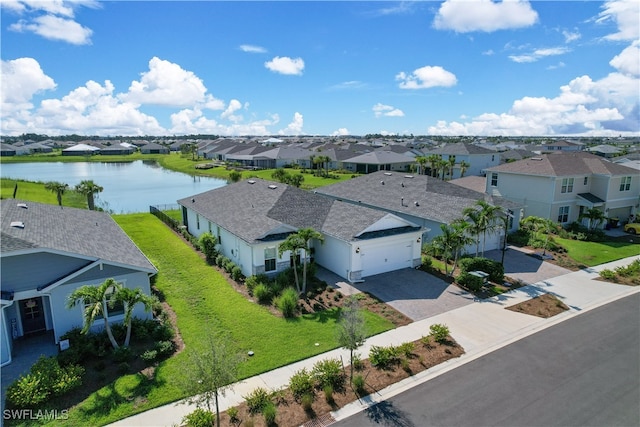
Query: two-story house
point(561, 186)
point(478, 158)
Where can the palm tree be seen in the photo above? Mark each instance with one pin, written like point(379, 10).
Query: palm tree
point(89, 189)
point(433, 160)
point(451, 243)
point(422, 161)
point(442, 166)
point(56, 187)
point(293, 243)
point(488, 215)
point(539, 225)
point(95, 300)
point(451, 162)
point(472, 214)
point(130, 298)
point(595, 217)
point(306, 235)
point(463, 168)
point(461, 239)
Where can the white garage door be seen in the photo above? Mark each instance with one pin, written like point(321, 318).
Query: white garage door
point(382, 259)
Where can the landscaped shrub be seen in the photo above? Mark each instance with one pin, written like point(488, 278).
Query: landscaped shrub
point(262, 293)
point(257, 400)
point(122, 354)
point(163, 332)
point(358, 384)
point(207, 244)
point(165, 348)
point(221, 260)
point(328, 372)
point(519, 237)
point(307, 401)
point(149, 356)
point(608, 274)
point(469, 281)
point(328, 393)
point(384, 357)
point(228, 266)
point(287, 302)
point(439, 332)
point(253, 281)
point(489, 266)
point(236, 273)
point(407, 349)
point(301, 383)
point(45, 380)
point(233, 415)
point(199, 418)
point(427, 261)
point(270, 412)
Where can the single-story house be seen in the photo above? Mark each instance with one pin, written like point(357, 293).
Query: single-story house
point(81, 150)
point(47, 252)
point(251, 218)
point(7, 150)
point(153, 148)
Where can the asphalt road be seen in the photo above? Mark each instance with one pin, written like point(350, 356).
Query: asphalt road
point(581, 372)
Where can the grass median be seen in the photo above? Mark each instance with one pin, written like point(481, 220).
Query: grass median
point(205, 303)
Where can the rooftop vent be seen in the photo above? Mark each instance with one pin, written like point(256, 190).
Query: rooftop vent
point(536, 158)
point(416, 203)
point(22, 205)
point(17, 224)
point(251, 181)
point(273, 187)
point(408, 176)
point(382, 182)
point(388, 173)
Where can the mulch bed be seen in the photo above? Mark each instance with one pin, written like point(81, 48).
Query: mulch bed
point(545, 306)
point(291, 413)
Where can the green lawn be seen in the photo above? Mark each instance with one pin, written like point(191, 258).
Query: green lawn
point(595, 253)
point(204, 303)
point(35, 191)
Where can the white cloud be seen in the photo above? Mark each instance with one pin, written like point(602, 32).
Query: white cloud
point(55, 28)
point(167, 83)
point(285, 65)
point(252, 49)
point(539, 54)
point(193, 121)
point(489, 52)
point(234, 105)
point(21, 79)
point(571, 36)
point(341, 132)
point(381, 110)
point(351, 84)
point(556, 66)
point(426, 77)
point(628, 61)
point(465, 16)
point(295, 127)
point(625, 14)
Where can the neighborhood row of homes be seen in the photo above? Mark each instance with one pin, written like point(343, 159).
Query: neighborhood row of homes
point(371, 224)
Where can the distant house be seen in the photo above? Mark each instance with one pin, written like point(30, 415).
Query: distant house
point(561, 145)
point(251, 218)
point(7, 150)
point(420, 199)
point(48, 251)
point(562, 186)
point(117, 149)
point(605, 150)
point(478, 158)
point(378, 160)
point(153, 148)
point(81, 150)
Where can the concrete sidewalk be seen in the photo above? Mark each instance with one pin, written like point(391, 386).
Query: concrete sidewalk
point(480, 328)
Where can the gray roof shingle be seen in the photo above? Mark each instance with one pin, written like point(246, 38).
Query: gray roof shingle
point(77, 231)
point(565, 164)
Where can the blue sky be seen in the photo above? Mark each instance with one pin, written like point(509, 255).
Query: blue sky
point(511, 68)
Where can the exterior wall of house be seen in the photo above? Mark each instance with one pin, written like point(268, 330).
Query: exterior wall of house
point(535, 193)
point(388, 253)
point(43, 268)
point(5, 333)
point(335, 255)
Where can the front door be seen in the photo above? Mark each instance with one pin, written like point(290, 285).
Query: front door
point(32, 315)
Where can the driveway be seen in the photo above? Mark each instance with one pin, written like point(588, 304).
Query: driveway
point(414, 293)
point(519, 264)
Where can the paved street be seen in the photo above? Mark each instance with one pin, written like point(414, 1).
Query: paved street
point(581, 372)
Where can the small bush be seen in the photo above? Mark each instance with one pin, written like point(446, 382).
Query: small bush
point(199, 418)
point(164, 348)
point(123, 368)
point(257, 400)
point(489, 266)
point(358, 364)
point(328, 372)
point(287, 302)
point(608, 274)
point(407, 349)
point(384, 357)
point(163, 332)
point(122, 354)
point(207, 244)
point(427, 262)
point(439, 332)
point(149, 356)
point(301, 383)
point(469, 281)
point(262, 293)
point(307, 401)
point(270, 412)
point(253, 281)
point(236, 273)
point(328, 393)
point(233, 415)
point(358, 385)
point(426, 341)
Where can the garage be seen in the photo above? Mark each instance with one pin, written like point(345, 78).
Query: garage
point(381, 259)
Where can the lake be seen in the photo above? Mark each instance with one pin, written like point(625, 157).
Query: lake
point(128, 186)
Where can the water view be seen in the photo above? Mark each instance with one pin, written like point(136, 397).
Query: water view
point(128, 187)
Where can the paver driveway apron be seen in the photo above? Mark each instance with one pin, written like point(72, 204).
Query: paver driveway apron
point(412, 292)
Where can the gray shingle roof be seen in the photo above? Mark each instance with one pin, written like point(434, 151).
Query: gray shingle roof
point(77, 231)
point(437, 200)
point(460, 148)
point(565, 164)
point(252, 211)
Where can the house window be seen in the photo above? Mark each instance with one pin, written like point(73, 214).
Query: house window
point(494, 179)
point(625, 183)
point(493, 157)
point(270, 259)
point(563, 214)
point(116, 310)
point(198, 221)
point(567, 185)
point(219, 236)
point(586, 180)
point(210, 227)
